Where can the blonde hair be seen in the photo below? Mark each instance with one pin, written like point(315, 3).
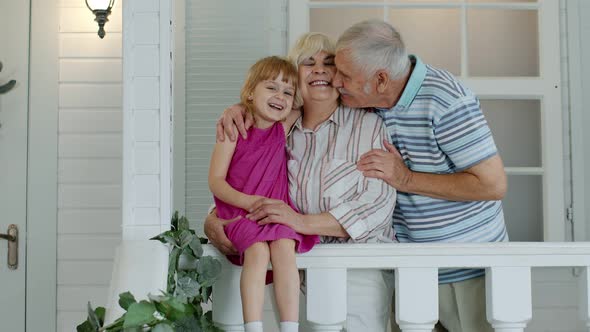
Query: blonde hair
point(269, 68)
point(310, 44)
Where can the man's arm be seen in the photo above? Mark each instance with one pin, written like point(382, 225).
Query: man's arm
point(214, 231)
point(485, 181)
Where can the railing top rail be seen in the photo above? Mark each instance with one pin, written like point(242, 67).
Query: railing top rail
point(441, 255)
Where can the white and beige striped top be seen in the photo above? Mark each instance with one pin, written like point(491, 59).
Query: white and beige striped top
point(323, 175)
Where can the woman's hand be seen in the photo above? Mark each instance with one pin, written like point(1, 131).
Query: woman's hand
point(272, 211)
point(234, 117)
point(215, 233)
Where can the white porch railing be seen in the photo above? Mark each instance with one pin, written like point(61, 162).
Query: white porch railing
point(508, 280)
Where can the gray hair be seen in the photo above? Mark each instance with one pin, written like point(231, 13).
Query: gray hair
point(374, 45)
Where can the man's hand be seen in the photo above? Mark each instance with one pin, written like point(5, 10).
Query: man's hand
point(234, 117)
point(272, 211)
point(214, 231)
point(386, 165)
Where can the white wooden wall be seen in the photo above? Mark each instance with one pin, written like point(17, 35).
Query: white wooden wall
point(90, 160)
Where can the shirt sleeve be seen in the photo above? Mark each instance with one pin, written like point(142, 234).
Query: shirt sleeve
point(368, 213)
point(463, 134)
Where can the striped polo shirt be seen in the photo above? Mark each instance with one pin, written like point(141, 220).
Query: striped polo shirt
point(438, 127)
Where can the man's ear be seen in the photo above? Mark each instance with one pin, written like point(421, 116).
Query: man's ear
point(382, 80)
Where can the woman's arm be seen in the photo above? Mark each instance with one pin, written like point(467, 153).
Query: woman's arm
point(272, 211)
point(220, 160)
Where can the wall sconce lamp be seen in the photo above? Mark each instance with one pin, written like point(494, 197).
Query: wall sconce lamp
point(101, 9)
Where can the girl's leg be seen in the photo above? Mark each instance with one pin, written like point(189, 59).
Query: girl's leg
point(285, 278)
point(252, 281)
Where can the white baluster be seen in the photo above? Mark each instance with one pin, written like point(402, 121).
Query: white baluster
point(584, 284)
point(227, 303)
point(508, 298)
point(326, 299)
point(416, 299)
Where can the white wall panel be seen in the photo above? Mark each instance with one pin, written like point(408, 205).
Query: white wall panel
point(90, 146)
point(90, 159)
point(96, 70)
point(85, 45)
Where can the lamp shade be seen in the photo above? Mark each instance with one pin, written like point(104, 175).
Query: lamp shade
point(101, 9)
point(100, 4)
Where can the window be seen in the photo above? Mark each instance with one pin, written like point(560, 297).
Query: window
point(507, 52)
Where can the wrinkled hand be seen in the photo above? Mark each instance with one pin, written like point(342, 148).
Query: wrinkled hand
point(234, 117)
point(214, 231)
point(272, 211)
point(386, 165)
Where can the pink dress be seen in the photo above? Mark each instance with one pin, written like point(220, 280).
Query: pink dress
point(259, 167)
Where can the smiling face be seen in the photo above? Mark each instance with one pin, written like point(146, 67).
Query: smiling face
point(272, 100)
point(315, 77)
point(355, 90)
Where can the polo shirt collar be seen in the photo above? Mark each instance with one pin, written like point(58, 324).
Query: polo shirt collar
point(414, 83)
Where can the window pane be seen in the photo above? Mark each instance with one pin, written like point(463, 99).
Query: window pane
point(523, 208)
point(333, 21)
point(516, 126)
point(502, 42)
point(420, 29)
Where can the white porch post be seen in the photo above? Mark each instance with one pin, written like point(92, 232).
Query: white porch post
point(227, 303)
point(508, 298)
point(416, 298)
point(326, 298)
point(584, 287)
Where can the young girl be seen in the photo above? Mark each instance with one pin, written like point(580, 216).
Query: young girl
point(245, 171)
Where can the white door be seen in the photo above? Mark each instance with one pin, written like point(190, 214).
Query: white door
point(14, 55)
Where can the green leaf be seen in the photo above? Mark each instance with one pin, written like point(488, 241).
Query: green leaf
point(184, 238)
point(172, 267)
point(139, 314)
point(209, 269)
point(187, 287)
point(163, 327)
point(168, 237)
point(183, 224)
point(196, 246)
point(187, 324)
point(100, 313)
point(174, 221)
point(93, 318)
point(86, 327)
point(126, 299)
point(207, 323)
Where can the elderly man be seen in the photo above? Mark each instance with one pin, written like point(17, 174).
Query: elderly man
point(443, 160)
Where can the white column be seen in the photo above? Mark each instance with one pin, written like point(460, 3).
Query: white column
point(227, 303)
point(508, 298)
point(416, 299)
point(584, 299)
point(326, 299)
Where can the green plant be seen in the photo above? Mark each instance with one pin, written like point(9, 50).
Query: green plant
point(179, 308)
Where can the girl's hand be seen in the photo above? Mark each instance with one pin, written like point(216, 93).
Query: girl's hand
point(234, 117)
point(272, 211)
point(252, 200)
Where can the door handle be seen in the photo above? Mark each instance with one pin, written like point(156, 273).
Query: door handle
point(12, 237)
point(8, 86)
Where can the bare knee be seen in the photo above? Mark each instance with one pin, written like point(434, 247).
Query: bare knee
point(257, 254)
point(282, 250)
